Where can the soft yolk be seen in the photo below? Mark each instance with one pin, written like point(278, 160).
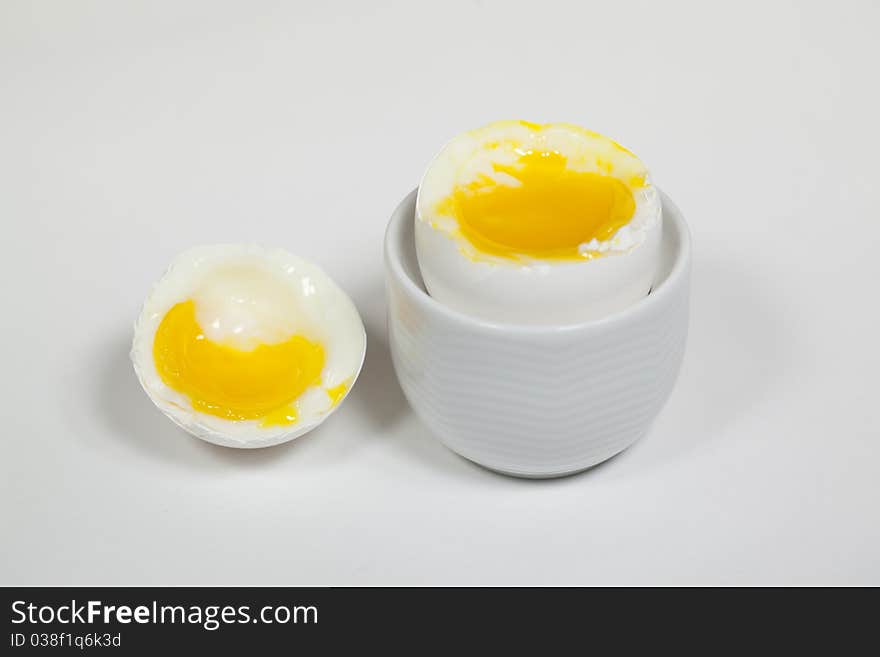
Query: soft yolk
point(236, 385)
point(337, 392)
point(547, 215)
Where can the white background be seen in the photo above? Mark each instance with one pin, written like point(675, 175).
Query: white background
point(130, 131)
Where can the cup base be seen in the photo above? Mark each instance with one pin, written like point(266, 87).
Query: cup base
point(548, 475)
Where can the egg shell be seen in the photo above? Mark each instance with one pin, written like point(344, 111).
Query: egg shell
point(537, 292)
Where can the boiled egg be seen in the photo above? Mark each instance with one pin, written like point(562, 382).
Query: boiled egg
point(528, 223)
point(246, 346)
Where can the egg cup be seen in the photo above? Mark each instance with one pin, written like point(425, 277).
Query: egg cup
point(537, 401)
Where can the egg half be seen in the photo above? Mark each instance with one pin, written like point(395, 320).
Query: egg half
point(246, 346)
point(529, 223)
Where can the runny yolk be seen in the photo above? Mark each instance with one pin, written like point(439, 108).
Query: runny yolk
point(232, 384)
point(547, 214)
point(337, 392)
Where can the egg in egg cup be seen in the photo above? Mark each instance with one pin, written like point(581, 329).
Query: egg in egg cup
point(538, 292)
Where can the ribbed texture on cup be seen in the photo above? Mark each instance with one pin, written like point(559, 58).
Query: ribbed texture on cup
point(537, 403)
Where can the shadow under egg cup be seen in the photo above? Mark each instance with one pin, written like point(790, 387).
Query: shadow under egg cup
point(537, 401)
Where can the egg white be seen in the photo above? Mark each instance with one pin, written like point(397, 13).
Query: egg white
point(528, 290)
point(246, 295)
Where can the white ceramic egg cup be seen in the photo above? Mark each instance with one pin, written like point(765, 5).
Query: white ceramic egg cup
point(537, 401)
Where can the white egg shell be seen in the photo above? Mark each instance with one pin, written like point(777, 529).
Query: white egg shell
point(534, 291)
point(289, 296)
point(537, 292)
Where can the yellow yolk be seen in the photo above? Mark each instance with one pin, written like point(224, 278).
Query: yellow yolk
point(547, 215)
point(221, 380)
point(336, 393)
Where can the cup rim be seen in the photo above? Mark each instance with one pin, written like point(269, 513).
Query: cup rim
point(672, 220)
